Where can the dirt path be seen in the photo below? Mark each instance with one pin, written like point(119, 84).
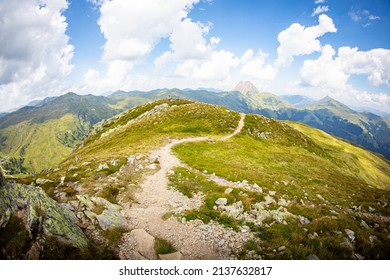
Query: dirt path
point(155, 199)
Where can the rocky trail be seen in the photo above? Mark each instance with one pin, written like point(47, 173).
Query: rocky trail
point(192, 240)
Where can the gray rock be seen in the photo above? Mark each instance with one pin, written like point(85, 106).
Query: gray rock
point(102, 166)
point(351, 234)
point(221, 201)
point(364, 224)
point(172, 256)
point(359, 257)
point(41, 181)
point(228, 190)
point(282, 202)
point(371, 209)
point(282, 248)
point(312, 257)
point(144, 243)
point(43, 215)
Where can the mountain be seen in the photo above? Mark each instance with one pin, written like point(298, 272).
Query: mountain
point(178, 179)
point(367, 130)
point(298, 101)
point(39, 103)
point(39, 137)
point(256, 99)
point(34, 138)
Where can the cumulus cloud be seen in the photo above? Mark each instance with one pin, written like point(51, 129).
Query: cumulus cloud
point(319, 1)
point(300, 40)
point(330, 74)
point(254, 67)
point(334, 72)
point(132, 29)
point(35, 53)
point(325, 71)
point(320, 10)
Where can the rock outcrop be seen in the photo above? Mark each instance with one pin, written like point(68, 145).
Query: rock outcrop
point(2, 178)
point(40, 217)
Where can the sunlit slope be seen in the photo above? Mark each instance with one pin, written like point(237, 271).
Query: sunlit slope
point(31, 147)
point(151, 125)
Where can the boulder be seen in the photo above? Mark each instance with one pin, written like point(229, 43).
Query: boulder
point(221, 201)
point(42, 216)
point(144, 243)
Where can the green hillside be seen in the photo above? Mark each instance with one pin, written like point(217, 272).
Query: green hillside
point(37, 138)
point(296, 191)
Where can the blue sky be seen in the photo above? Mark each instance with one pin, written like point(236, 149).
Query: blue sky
point(316, 48)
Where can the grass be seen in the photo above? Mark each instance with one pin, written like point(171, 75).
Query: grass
point(162, 247)
point(299, 163)
point(42, 145)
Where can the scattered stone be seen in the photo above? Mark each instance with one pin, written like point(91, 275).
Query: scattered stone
point(346, 244)
point(282, 248)
point(257, 188)
point(312, 257)
point(373, 239)
point(221, 201)
point(351, 234)
point(85, 163)
point(102, 166)
point(114, 162)
point(371, 209)
point(272, 193)
point(359, 257)
point(205, 171)
point(41, 181)
point(152, 166)
point(172, 256)
point(228, 190)
point(303, 220)
point(62, 180)
point(312, 236)
point(364, 224)
point(72, 167)
point(282, 202)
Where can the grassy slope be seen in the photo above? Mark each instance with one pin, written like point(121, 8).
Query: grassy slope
point(181, 119)
point(270, 153)
point(32, 141)
point(326, 173)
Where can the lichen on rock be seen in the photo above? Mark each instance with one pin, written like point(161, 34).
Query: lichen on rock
point(41, 214)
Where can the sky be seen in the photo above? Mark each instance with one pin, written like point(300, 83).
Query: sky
point(316, 48)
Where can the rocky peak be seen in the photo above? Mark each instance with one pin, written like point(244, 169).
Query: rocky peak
point(246, 87)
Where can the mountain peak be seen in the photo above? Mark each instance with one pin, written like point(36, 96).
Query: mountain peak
point(246, 87)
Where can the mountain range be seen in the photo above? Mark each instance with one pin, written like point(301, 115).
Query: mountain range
point(41, 135)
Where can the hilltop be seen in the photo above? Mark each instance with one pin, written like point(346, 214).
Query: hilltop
point(178, 179)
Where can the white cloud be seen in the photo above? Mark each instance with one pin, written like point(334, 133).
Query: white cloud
point(324, 71)
point(330, 73)
point(254, 67)
point(35, 53)
point(320, 10)
point(335, 72)
point(133, 28)
point(363, 16)
point(319, 2)
point(300, 40)
point(375, 63)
